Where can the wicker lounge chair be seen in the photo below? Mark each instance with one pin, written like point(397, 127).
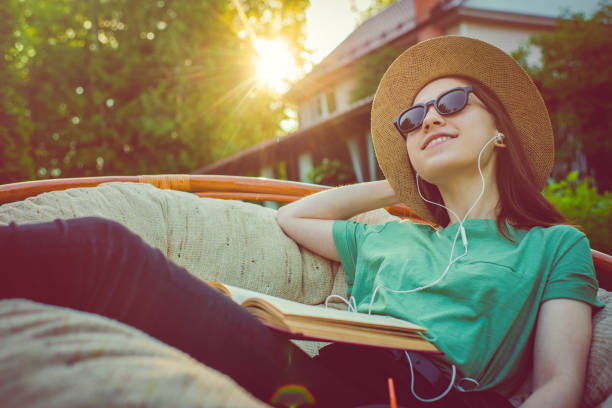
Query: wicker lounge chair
point(216, 394)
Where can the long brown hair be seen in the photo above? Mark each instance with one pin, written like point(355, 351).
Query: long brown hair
point(521, 203)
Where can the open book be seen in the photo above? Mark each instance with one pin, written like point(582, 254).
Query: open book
point(302, 321)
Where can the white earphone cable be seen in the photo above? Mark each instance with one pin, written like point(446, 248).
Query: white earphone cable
point(439, 397)
point(352, 305)
point(460, 230)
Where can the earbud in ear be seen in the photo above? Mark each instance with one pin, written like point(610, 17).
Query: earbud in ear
point(499, 139)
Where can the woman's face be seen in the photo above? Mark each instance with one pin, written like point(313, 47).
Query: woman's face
point(447, 145)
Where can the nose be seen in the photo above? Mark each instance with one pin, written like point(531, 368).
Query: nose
point(432, 119)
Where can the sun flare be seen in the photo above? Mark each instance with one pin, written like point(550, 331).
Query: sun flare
point(275, 65)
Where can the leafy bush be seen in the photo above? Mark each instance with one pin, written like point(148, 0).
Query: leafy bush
point(579, 201)
point(328, 173)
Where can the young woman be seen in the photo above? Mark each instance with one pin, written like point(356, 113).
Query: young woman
point(501, 285)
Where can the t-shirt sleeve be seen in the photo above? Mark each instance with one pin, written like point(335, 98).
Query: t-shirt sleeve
point(573, 275)
point(347, 236)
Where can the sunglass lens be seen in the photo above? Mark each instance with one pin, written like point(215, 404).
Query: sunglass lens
point(452, 101)
point(411, 119)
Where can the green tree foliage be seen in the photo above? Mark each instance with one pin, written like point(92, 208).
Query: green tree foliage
point(369, 71)
point(575, 82)
point(125, 87)
point(15, 123)
point(579, 201)
point(374, 7)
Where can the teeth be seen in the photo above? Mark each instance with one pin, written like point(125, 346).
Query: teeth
point(436, 141)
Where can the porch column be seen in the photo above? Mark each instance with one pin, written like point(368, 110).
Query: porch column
point(305, 165)
point(371, 156)
point(353, 148)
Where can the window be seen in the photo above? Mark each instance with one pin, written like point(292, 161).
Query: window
point(325, 103)
point(330, 97)
point(319, 107)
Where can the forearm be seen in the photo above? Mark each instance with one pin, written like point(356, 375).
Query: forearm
point(559, 392)
point(342, 202)
point(561, 349)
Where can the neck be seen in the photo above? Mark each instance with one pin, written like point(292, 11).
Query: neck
point(460, 194)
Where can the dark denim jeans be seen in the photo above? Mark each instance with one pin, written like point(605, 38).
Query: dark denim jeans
point(98, 266)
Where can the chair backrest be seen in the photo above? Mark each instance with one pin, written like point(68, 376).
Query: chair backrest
point(232, 187)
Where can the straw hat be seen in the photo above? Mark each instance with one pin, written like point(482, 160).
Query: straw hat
point(466, 57)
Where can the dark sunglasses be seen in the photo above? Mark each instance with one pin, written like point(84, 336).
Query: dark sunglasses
point(451, 101)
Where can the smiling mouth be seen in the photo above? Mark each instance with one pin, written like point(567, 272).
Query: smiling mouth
point(436, 141)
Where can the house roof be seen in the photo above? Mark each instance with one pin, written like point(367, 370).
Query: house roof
point(390, 23)
point(400, 18)
point(382, 28)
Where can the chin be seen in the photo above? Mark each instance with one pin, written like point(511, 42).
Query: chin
point(442, 168)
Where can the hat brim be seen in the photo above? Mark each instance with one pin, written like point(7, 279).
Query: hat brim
point(463, 57)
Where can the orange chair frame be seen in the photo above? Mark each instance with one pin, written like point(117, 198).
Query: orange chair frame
point(231, 187)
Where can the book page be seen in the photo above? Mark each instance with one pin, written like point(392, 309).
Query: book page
point(289, 307)
point(240, 294)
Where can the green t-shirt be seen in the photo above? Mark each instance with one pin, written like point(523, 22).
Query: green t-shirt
point(482, 314)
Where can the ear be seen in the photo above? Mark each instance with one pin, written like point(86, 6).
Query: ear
point(499, 140)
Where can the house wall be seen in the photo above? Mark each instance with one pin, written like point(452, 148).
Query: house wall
point(309, 111)
point(313, 109)
point(306, 112)
point(343, 93)
point(506, 37)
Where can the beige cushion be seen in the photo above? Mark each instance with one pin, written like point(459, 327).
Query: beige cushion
point(607, 403)
point(599, 372)
point(223, 240)
point(56, 357)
